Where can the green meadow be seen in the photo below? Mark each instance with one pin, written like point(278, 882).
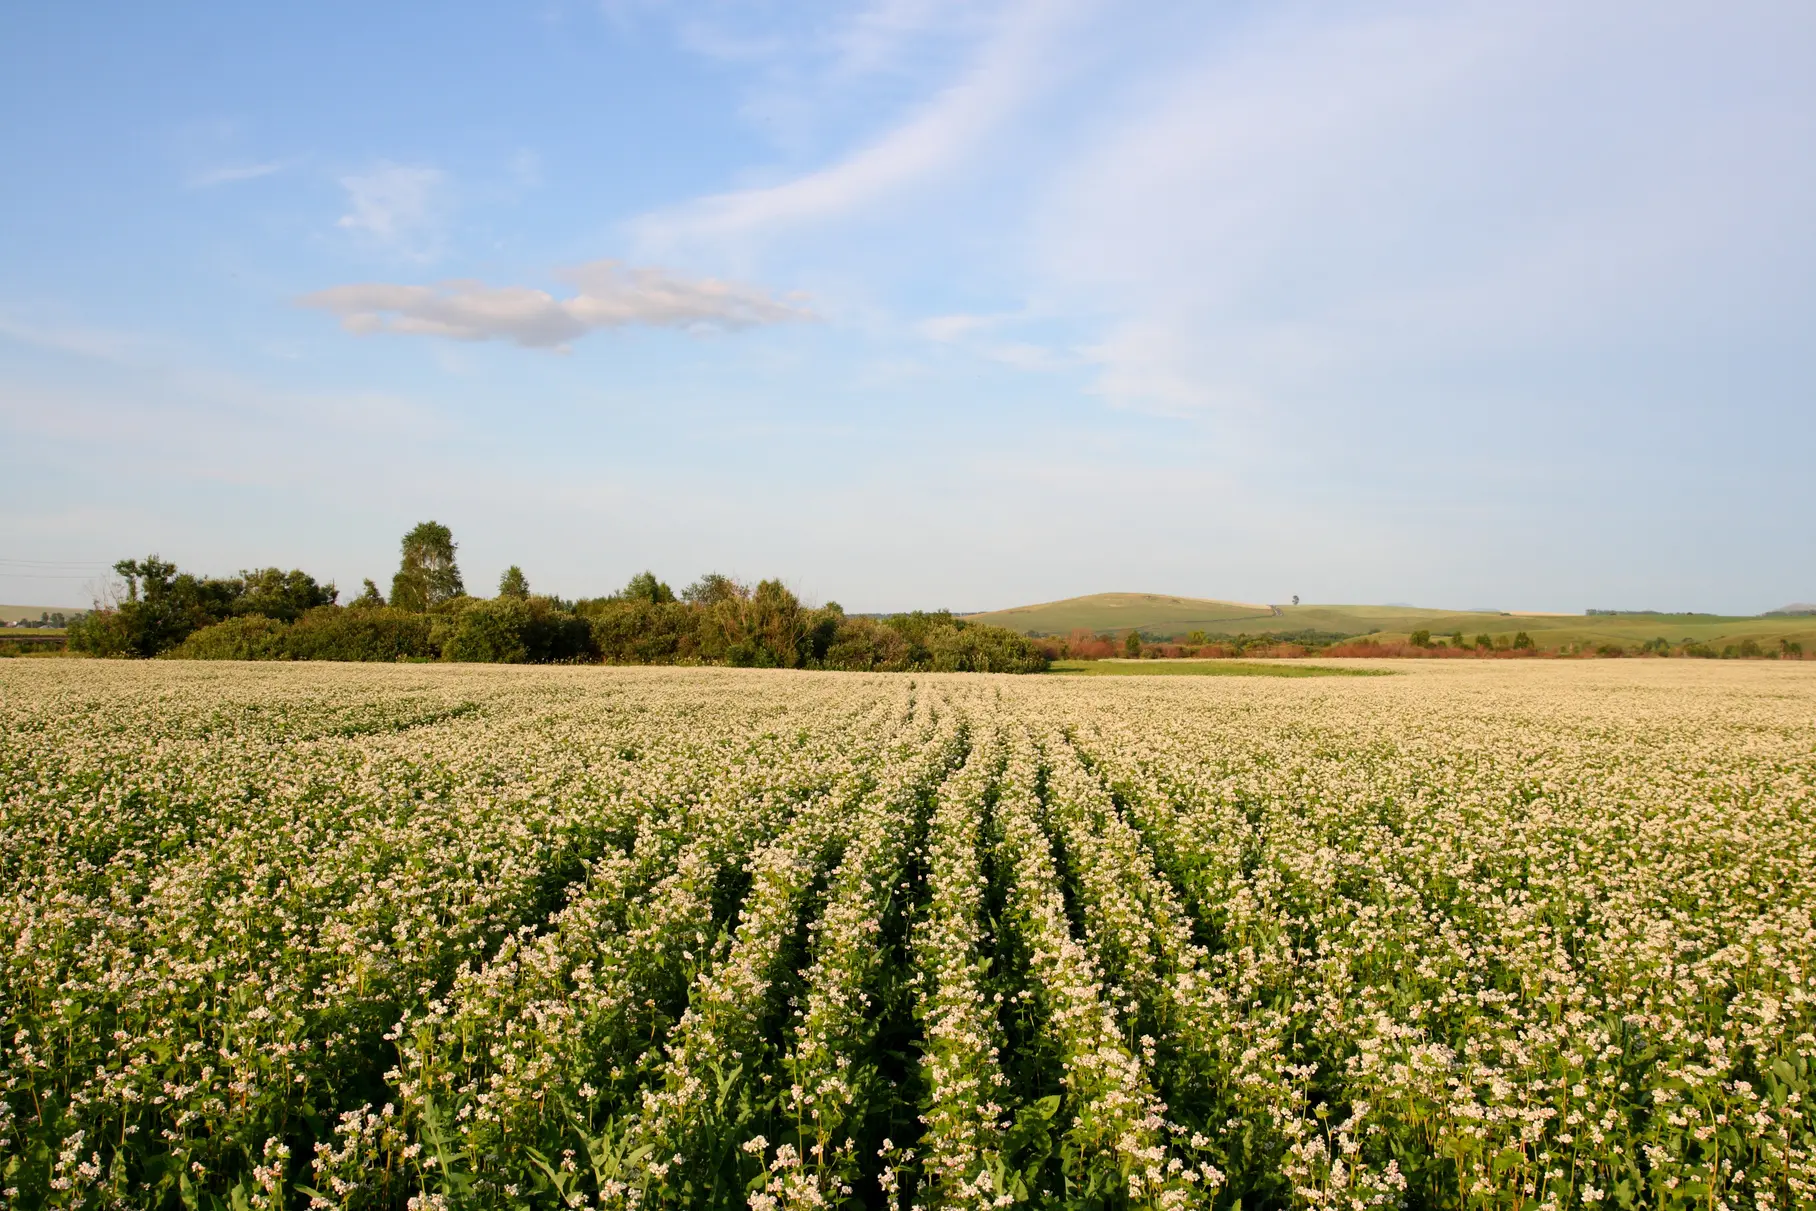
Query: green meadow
point(1203, 668)
point(1160, 616)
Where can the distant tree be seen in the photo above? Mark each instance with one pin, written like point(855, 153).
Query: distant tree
point(1295, 599)
point(1131, 645)
point(1790, 648)
point(1456, 639)
point(713, 588)
point(162, 608)
point(1483, 643)
point(1421, 639)
point(285, 596)
point(1522, 642)
point(427, 575)
point(369, 598)
point(645, 587)
point(513, 583)
point(1196, 639)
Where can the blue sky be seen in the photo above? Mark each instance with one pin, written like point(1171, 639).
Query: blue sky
point(920, 303)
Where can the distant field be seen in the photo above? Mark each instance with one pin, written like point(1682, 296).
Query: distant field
point(13, 613)
point(1203, 668)
point(1152, 612)
point(1158, 615)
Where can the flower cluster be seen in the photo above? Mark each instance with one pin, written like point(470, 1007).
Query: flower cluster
point(1474, 936)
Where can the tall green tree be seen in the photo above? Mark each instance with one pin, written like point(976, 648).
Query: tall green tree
point(162, 607)
point(513, 583)
point(285, 596)
point(428, 574)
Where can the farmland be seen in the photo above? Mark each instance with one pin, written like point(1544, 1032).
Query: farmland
point(1479, 934)
point(1161, 616)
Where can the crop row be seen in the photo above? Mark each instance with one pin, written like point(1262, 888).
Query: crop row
point(433, 938)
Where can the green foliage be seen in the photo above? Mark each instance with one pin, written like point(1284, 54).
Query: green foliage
point(366, 633)
point(984, 649)
point(427, 576)
point(513, 583)
point(645, 587)
point(250, 637)
point(369, 633)
point(1131, 644)
point(1483, 643)
point(1522, 642)
point(864, 645)
point(285, 596)
point(513, 630)
point(711, 589)
point(1420, 639)
point(643, 632)
point(164, 606)
point(270, 614)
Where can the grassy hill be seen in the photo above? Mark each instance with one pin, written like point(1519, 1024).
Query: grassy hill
point(1153, 613)
point(1160, 616)
point(13, 613)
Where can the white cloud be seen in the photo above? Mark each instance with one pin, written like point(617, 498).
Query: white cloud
point(607, 296)
point(1014, 62)
point(1331, 213)
point(974, 333)
point(228, 174)
point(950, 328)
point(401, 206)
point(82, 341)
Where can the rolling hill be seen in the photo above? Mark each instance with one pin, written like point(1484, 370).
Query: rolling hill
point(1161, 616)
point(13, 613)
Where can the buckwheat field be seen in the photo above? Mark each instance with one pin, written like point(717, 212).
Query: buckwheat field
point(1475, 935)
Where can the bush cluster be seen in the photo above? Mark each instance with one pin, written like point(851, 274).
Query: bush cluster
point(274, 615)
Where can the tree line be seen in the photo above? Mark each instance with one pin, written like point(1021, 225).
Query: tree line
point(271, 614)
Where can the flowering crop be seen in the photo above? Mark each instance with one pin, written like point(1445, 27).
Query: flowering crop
point(1476, 936)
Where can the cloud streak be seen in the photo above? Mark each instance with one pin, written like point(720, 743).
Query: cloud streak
point(230, 174)
point(607, 295)
point(1012, 64)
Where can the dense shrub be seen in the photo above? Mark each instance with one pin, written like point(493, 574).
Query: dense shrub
point(514, 630)
point(368, 633)
point(640, 631)
point(864, 645)
point(253, 637)
point(983, 649)
point(324, 633)
point(163, 606)
point(271, 614)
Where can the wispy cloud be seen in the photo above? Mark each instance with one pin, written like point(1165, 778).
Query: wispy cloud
point(1335, 212)
point(607, 296)
point(1012, 63)
point(401, 206)
point(979, 335)
point(228, 174)
point(97, 343)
